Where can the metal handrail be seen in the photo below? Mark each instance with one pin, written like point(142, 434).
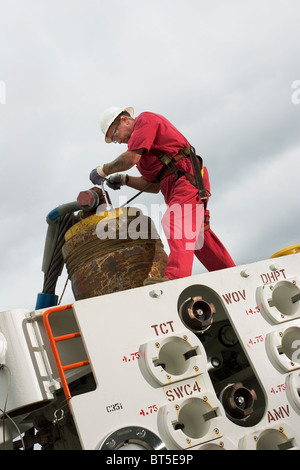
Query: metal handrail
point(53, 340)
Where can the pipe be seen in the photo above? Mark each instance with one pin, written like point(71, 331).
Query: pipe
point(59, 221)
point(62, 210)
point(86, 201)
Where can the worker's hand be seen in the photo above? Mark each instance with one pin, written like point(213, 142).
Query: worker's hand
point(97, 176)
point(117, 180)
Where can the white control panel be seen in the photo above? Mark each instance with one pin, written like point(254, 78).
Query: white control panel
point(206, 362)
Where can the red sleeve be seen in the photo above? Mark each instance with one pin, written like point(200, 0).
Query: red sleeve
point(144, 132)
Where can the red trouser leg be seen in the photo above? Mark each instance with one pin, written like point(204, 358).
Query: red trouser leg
point(182, 224)
point(213, 255)
point(183, 232)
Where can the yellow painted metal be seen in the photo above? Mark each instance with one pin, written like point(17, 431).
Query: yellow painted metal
point(289, 250)
point(92, 220)
point(99, 265)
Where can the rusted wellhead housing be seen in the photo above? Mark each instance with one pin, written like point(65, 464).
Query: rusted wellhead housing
point(113, 251)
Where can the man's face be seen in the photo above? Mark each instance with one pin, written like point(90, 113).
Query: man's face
point(120, 130)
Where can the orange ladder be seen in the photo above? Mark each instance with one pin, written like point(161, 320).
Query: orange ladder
point(53, 340)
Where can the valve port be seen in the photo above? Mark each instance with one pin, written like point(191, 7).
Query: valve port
point(197, 314)
point(238, 401)
point(194, 418)
point(174, 355)
point(280, 302)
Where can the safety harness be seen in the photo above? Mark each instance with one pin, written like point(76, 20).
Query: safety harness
point(196, 179)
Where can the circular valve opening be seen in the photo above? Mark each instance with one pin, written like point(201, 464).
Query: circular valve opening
point(132, 438)
point(174, 354)
point(273, 439)
point(290, 344)
point(284, 347)
point(211, 447)
point(197, 314)
point(238, 401)
point(194, 418)
point(285, 297)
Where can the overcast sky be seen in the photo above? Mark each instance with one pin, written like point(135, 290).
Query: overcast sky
point(225, 72)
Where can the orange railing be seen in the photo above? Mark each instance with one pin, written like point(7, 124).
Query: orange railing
point(53, 340)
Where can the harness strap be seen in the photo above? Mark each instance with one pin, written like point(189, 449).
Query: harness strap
point(198, 176)
point(170, 167)
point(167, 171)
point(206, 226)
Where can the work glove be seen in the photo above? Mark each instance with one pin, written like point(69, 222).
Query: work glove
point(117, 180)
point(97, 176)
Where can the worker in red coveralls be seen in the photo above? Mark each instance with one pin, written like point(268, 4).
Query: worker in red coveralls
point(163, 157)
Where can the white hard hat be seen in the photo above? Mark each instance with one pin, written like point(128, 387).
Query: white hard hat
point(109, 115)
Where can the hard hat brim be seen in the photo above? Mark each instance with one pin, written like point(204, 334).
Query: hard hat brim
point(129, 110)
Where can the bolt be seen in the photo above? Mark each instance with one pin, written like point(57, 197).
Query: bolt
point(86, 198)
point(155, 293)
point(215, 362)
point(110, 443)
point(205, 398)
point(240, 400)
point(245, 273)
point(198, 313)
point(141, 433)
point(216, 430)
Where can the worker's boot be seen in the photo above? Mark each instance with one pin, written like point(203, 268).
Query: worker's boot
point(154, 280)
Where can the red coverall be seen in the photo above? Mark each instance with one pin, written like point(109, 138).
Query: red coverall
point(155, 133)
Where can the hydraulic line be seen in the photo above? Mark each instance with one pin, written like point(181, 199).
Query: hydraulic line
point(56, 264)
point(59, 221)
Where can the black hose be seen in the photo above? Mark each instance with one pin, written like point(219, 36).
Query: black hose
point(57, 262)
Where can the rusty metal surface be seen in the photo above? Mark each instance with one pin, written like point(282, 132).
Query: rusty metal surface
point(91, 199)
point(98, 267)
